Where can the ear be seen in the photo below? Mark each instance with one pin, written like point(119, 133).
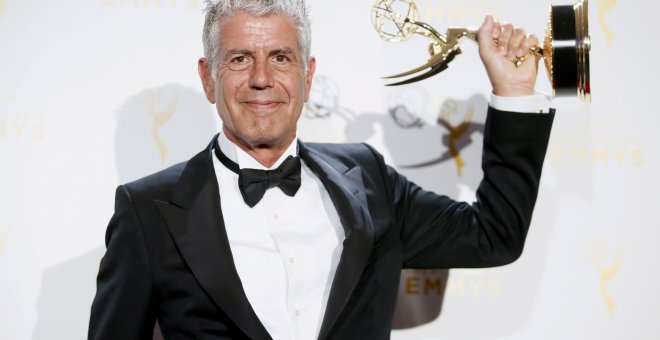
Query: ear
point(204, 70)
point(311, 67)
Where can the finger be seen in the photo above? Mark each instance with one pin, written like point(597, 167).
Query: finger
point(486, 32)
point(531, 57)
point(515, 48)
point(497, 30)
point(529, 42)
point(505, 36)
point(526, 45)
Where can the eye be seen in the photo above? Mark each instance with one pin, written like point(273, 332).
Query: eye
point(241, 59)
point(239, 62)
point(281, 58)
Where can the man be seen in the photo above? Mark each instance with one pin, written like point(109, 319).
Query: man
point(206, 250)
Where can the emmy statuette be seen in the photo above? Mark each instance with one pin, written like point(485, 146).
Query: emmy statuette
point(565, 49)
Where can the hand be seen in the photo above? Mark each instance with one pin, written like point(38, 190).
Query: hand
point(499, 46)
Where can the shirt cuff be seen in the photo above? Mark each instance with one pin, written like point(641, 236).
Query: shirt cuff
point(536, 103)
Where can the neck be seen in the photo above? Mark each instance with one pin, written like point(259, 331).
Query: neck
point(265, 153)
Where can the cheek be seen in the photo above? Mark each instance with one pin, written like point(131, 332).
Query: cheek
point(230, 85)
point(227, 109)
point(227, 94)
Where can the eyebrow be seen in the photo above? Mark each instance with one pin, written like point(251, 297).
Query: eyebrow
point(283, 51)
point(286, 50)
point(235, 52)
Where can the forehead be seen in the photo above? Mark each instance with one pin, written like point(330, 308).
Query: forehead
point(247, 31)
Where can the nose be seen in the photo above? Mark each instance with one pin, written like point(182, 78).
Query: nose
point(260, 76)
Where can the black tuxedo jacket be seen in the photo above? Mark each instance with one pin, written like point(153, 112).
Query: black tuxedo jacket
point(168, 257)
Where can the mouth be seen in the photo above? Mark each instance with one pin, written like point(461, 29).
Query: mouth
point(262, 105)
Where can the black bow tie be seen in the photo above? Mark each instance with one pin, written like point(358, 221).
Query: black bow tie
point(253, 183)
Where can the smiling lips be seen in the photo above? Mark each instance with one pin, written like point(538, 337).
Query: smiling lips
point(260, 105)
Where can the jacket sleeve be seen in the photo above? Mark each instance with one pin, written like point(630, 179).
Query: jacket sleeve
point(438, 232)
point(123, 307)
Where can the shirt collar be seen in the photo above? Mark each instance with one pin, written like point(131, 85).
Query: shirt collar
point(244, 160)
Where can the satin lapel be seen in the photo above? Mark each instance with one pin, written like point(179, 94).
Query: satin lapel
point(349, 198)
point(195, 221)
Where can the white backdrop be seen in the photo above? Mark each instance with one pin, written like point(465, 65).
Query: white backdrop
point(94, 93)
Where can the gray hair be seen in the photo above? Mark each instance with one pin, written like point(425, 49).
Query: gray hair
point(219, 10)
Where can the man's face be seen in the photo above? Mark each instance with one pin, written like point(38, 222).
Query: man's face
point(261, 85)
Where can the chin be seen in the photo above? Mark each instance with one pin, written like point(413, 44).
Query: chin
point(262, 138)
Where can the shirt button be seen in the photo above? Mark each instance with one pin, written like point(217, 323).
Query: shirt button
point(298, 312)
point(276, 216)
point(292, 260)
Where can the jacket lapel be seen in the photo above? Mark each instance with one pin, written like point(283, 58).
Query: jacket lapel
point(349, 198)
point(194, 219)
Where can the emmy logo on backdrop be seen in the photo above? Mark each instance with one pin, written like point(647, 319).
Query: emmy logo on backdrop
point(605, 6)
point(565, 49)
point(404, 118)
point(596, 252)
point(323, 98)
point(160, 117)
point(455, 132)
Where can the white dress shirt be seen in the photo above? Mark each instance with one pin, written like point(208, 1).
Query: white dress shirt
point(537, 103)
point(285, 249)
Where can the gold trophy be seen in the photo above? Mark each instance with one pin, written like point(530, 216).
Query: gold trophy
point(565, 48)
